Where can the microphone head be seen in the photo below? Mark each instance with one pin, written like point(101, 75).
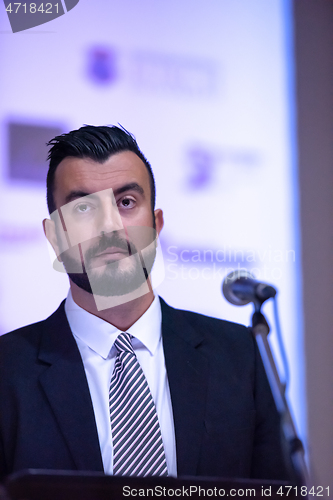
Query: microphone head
point(240, 275)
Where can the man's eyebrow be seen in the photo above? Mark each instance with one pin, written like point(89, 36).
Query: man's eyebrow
point(73, 195)
point(132, 186)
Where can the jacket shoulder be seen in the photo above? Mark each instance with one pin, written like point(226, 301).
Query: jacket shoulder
point(27, 336)
point(206, 327)
point(213, 323)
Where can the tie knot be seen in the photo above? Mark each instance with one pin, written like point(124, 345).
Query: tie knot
point(123, 343)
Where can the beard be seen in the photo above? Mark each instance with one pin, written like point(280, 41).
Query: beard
point(115, 277)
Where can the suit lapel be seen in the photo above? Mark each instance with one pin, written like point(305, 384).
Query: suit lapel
point(65, 385)
point(187, 371)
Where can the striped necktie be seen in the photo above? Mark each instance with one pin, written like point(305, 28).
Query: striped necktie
point(136, 436)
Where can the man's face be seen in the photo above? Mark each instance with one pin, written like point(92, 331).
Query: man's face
point(104, 227)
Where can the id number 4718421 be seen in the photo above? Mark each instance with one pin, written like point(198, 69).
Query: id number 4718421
point(303, 491)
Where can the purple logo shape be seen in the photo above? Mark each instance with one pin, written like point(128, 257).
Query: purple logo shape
point(102, 65)
point(202, 168)
point(23, 16)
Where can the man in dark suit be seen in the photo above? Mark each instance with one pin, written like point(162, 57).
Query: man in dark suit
point(210, 404)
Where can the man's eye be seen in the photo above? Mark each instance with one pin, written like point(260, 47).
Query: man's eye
point(127, 203)
point(82, 208)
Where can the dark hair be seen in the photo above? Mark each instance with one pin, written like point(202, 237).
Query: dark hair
point(96, 143)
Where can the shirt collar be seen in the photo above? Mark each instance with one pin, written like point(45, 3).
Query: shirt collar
point(99, 335)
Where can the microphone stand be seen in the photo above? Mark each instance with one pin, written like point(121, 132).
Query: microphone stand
point(293, 446)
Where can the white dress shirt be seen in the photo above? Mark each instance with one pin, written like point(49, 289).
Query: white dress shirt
point(95, 338)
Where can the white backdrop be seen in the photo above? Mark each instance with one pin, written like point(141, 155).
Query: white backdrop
point(206, 87)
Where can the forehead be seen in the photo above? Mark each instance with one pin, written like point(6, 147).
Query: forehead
point(84, 174)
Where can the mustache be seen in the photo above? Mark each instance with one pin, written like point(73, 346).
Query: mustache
point(111, 240)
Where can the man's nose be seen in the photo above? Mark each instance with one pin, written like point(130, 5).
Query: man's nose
point(109, 218)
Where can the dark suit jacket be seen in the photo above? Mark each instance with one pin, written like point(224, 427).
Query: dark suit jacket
point(225, 420)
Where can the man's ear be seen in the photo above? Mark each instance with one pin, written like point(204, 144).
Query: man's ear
point(51, 235)
point(159, 221)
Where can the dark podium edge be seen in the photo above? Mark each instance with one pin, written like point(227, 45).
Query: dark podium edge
point(36, 484)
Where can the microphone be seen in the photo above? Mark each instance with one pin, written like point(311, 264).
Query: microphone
point(240, 287)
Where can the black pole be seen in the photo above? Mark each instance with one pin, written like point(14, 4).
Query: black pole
point(292, 445)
